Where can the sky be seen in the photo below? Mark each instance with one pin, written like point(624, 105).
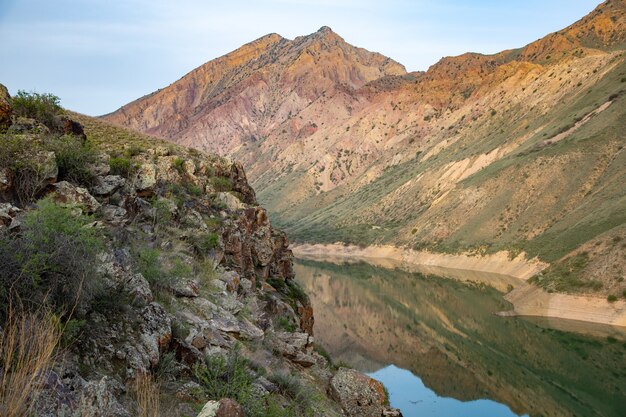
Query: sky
point(97, 55)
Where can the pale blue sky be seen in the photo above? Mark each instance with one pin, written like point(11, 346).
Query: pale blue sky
point(100, 54)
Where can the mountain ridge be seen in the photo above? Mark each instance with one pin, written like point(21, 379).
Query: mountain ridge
point(462, 157)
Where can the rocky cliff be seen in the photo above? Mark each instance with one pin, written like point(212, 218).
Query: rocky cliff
point(168, 289)
point(517, 151)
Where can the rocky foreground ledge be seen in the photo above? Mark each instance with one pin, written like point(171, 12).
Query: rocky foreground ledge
point(191, 288)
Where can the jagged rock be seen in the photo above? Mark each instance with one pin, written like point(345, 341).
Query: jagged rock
point(229, 201)
point(97, 400)
point(146, 179)
point(194, 220)
point(231, 279)
point(166, 171)
point(100, 167)
point(249, 331)
point(69, 195)
point(186, 353)
point(56, 396)
point(358, 394)
point(25, 125)
point(5, 108)
point(7, 215)
point(107, 185)
point(230, 303)
point(291, 344)
point(67, 126)
point(250, 247)
point(114, 214)
point(155, 331)
point(222, 408)
point(188, 288)
point(240, 183)
point(142, 209)
point(139, 288)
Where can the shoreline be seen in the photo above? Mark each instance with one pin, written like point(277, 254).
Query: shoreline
point(507, 275)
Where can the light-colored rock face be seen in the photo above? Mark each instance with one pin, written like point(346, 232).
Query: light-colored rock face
point(69, 195)
point(358, 394)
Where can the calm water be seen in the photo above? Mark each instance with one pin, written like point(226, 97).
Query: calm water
point(440, 350)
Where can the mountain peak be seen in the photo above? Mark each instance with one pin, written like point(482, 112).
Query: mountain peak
point(325, 29)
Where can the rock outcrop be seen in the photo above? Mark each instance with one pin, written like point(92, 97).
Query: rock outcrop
point(183, 277)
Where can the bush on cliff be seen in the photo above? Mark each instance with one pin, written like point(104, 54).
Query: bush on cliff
point(43, 107)
point(51, 262)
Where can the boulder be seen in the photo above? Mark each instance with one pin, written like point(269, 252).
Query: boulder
point(69, 195)
point(231, 279)
point(296, 347)
point(146, 179)
point(358, 394)
point(222, 408)
point(22, 125)
point(186, 288)
point(139, 288)
point(8, 212)
point(155, 331)
point(97, 400)
point(107, 185)
point(230, 202)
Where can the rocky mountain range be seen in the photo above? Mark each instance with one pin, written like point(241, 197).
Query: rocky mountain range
point(518, 151)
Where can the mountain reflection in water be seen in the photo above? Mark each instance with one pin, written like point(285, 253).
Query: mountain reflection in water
point(445, 332)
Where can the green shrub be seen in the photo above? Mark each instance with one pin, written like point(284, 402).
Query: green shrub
point(231, 376)
point(283, 323)
point(611, 298)
point(51, 262)
point(204, 242)
point(148, 262)
point(226, 377)
point(121, 166)
point(178, 165)
point(43, 107)
point(73, 158)
point(221, 183)
point(194, 190)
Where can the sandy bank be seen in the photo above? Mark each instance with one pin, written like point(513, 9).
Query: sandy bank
point(497, 270)
point(497, 263)
point(529, 300)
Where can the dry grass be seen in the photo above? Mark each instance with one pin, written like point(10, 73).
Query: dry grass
point(147, 395)
point(27, 348)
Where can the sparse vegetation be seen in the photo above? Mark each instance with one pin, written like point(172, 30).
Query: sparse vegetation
point(42, 107)
point(73, 158)
point(51, 262)
point(27, 346)
point(121, 165)
point(146, 391)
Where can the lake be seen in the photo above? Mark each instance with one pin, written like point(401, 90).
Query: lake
point(441, 351)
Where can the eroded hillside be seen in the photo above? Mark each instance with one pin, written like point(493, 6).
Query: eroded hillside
point(521, 151)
